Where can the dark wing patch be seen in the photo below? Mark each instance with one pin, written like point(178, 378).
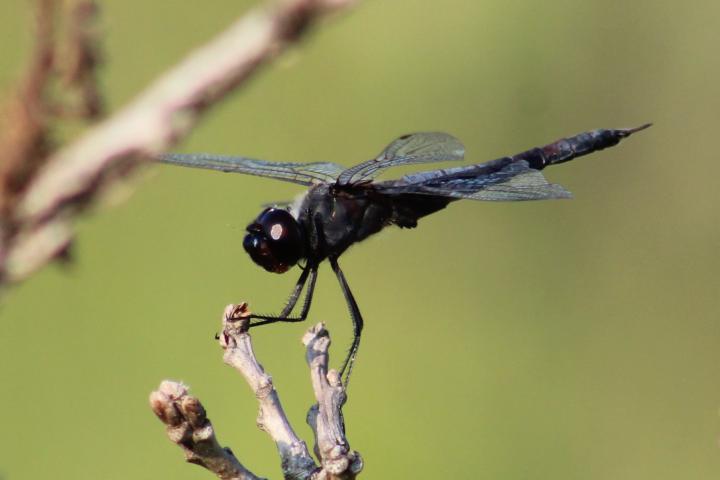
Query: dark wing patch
point(422, 147)
point(303, 173)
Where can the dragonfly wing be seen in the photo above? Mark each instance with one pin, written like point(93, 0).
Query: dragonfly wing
point(303, 173)
point(422, 147)
point(500, 180)
point(528, 185)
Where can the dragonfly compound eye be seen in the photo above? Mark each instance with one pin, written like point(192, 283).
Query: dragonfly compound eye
point(274, 241)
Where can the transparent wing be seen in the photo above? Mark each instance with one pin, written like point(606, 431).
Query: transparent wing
point(303, 173)
point(503, 179)
point(422, 147)
point(509, 178)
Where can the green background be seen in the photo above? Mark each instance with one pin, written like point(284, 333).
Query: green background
point(540, 340)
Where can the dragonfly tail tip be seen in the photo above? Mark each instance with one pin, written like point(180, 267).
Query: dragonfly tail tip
point(629, 131)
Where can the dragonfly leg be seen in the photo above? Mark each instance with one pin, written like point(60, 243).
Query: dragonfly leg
point(284, 316)
point(357, 320)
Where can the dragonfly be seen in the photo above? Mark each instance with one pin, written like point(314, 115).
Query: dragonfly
point(343, 206)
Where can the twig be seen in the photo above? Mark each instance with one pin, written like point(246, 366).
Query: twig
point(235, 340)
point(82, 57)
point(177, 409)
point(325, 417)
point(25, 130)
point(156, 119)
point(189, 427)
point(60, 84)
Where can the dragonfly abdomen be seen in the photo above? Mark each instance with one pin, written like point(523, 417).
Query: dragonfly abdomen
point(567, 149)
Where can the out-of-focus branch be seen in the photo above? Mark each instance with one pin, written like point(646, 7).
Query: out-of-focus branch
point(82, 56)
point(39, 227)
point(24, 135)
point(337, 461)
point(60, 78)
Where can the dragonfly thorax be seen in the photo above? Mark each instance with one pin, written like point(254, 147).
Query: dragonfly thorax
point(274, 240)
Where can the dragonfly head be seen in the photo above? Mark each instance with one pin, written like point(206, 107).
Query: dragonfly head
point(274, 240)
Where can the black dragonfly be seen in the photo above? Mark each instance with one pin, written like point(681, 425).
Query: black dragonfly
point(343, 206)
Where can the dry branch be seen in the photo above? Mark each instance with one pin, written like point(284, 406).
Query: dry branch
point(59, 84)
point(39, 227)
point(188, 426)
point(239, 354)
point(325, 417)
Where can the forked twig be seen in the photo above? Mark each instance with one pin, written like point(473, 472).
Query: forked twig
point(187, 424)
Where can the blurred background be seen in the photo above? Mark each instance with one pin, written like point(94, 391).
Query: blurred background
point(559, 339)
